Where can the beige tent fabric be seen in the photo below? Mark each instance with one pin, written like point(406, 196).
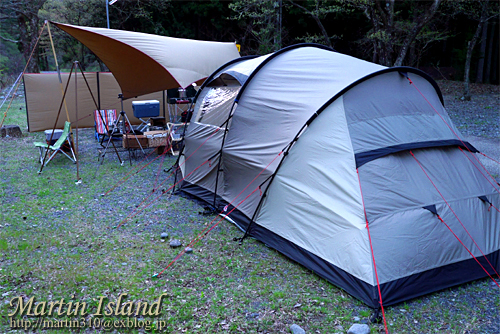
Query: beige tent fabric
point(44, 96)
point(144, 63)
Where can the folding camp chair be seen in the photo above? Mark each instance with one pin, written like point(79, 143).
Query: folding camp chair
point(104, 121)
point(57, 147)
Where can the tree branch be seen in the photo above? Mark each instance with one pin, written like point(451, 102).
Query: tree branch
point(8, 40)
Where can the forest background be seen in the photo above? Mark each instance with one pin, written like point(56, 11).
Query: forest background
point(449, 39)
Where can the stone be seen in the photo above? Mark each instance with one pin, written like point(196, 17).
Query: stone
point(188, 250)
point(356, 319)
point(164, 235)
point(175, 243)
point(359, 329)
point(339, 328)
point(252, 316)
point(296, 329)
point(10, 131)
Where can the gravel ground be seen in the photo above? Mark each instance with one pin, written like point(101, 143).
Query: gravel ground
point(478, 119)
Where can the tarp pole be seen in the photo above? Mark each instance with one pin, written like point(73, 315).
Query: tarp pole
point(78, 180)
point(58, 70)
point(57, 118)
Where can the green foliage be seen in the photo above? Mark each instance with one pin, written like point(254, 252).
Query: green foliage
point(261, 22)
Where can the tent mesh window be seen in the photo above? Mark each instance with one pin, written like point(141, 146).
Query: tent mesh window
point(216, 105)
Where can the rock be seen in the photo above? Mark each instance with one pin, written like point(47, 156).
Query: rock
point(356, 319)
point(339, 328)
point(296, 329)
point(252, 316)
point(10, 131)
point(175, 243)
point(164, 235)
point(188, 250)
point(359, 329)
point(124, 263)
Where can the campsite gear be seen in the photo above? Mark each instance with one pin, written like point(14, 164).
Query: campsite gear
point(128, 135)
point(42, 87)
point(105, 124)
point(176, 132)
point(55, 136)
point(346, 199)
point(146, 109)
point(178, 109)
point(141, 65)
point(57, 147)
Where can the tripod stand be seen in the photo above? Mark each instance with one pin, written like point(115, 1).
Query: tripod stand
point(123, 118)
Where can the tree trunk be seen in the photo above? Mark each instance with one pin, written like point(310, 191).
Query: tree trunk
point(420, 23)
point(316, 18)
point(326, 38)
point(480, 63)
point(28, 40)
point(490, 53)
point(470, 48)
point(494, 63)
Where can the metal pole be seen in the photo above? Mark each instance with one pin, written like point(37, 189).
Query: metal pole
point(107, 12)
point(78, 180)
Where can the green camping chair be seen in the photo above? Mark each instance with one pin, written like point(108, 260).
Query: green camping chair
point(57, 147)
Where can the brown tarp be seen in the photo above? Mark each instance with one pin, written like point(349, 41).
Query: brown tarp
point(44, 96)
point(144, 63)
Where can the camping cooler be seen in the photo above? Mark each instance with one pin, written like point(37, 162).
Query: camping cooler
point(144, 109)
point(55, 137)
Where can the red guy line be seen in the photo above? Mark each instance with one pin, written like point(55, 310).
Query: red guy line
point(373, 255)
point(456, 135)
point(421, 167)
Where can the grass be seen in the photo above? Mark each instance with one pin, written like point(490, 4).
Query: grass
point(57, 241)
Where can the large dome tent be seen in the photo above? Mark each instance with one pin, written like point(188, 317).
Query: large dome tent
point(363, 177)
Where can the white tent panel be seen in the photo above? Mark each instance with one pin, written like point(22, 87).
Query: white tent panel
point(315, 201)
point(275, 104)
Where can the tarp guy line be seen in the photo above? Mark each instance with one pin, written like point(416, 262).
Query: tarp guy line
point(373, 255)
point(25, 67)
point(421, 167)
point(10, 91)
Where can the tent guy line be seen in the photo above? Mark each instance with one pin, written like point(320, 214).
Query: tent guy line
point(439, 217)
point(472, 162)
point(170, 188)
point(452, 130)
point(225, 208)
point(138, 211)
point(372, 253)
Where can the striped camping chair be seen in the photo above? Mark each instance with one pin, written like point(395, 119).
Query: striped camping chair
point(104, 122)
